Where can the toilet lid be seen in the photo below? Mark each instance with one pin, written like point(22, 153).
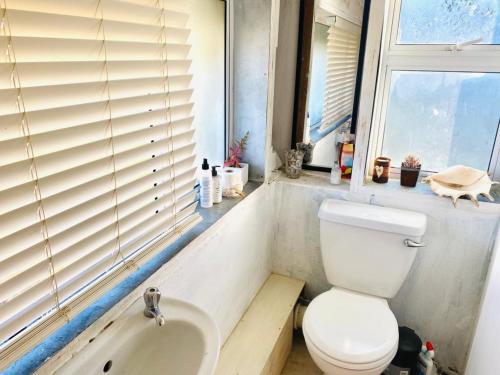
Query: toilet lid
point(351, 327)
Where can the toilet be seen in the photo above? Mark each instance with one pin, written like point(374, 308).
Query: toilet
point(367, 252)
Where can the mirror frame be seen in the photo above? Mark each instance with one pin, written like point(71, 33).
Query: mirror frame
point(306, 20)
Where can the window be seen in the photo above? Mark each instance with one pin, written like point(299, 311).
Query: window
point(96, 150)
point(438, 90)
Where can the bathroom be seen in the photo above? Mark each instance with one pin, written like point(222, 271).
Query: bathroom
point(301, 245)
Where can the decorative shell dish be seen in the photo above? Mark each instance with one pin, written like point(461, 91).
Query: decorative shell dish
point(459, 181)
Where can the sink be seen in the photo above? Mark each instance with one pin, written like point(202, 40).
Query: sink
point(188, 344)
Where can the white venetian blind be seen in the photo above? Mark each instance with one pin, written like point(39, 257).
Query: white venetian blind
point(96, 147)
point(342, 63)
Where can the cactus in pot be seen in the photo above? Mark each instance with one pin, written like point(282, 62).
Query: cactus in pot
point(410, 169)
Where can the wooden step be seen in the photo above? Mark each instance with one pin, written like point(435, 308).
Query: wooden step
point(262, 340)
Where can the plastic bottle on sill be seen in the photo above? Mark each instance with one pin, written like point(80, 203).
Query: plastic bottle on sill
point(206, 186)
point(217, 185)
point(336, 175)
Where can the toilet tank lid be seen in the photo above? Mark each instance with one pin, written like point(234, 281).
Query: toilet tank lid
point(379, 218)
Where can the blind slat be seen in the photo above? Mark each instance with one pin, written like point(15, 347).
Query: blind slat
point(49, 121)
point(36, 74)
point(28, 23)
point(42, 98)
point(39, 49)
point(119, 10)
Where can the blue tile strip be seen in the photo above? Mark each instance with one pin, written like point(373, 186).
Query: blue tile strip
point(35, 358)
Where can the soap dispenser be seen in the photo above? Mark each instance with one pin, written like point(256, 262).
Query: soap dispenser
point(217, 185)
point(206, 186)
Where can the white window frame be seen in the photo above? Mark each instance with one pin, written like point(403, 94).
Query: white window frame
point(423, 57)
point(229, 74)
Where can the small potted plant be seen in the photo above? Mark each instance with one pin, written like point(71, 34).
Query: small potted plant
point(236, 151)
point(410, 169)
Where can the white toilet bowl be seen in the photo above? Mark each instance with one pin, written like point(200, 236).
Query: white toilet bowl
point(349, 333)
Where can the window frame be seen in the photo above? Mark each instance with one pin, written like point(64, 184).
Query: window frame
point(228, 75)
point(422, 57)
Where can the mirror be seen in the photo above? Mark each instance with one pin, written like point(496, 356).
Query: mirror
point(327, 80)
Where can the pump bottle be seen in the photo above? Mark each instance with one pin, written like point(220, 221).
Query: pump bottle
point(206, 186)
point(217, 185)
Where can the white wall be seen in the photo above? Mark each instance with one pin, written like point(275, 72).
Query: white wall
point(223, 269)
point(441, 296)
point(252, 25)
point(484, 357)
point(207, 53)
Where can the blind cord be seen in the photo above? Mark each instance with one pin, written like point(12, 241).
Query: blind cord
point(166, 90)
point(16, 81)
point(110, 122)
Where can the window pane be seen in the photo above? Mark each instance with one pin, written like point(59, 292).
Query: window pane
point(445, 118)
point(449, 21)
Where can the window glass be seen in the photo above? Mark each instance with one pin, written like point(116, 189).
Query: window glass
point(445, 118)
point(449, 21)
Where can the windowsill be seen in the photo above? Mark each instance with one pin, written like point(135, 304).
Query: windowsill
point(425, 189)
point(315, 179)
point(389, 192)
point(59, 339)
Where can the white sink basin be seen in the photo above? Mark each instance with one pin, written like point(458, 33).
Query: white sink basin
point(188, 344)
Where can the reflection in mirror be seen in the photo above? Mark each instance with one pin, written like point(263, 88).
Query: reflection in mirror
point(331, 82)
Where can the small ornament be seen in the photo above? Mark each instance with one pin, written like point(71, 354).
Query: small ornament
point(381, 170)
point(458, 181)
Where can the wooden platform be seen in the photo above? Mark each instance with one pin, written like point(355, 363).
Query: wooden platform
point(262, 340)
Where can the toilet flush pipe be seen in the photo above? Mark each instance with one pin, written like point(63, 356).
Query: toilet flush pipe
point(298, 315)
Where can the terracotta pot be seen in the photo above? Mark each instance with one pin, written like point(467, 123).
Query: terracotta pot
point(409, 176)
point(381, 170)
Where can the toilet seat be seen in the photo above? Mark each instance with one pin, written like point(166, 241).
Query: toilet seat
point(361, 367)
point(351, 330)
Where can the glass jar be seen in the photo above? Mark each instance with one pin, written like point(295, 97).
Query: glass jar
point(293, 163)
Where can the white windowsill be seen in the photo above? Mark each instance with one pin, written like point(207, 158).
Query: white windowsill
point(391, 193)
point(422, 194)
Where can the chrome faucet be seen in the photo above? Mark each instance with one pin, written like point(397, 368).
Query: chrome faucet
point(152, 298)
